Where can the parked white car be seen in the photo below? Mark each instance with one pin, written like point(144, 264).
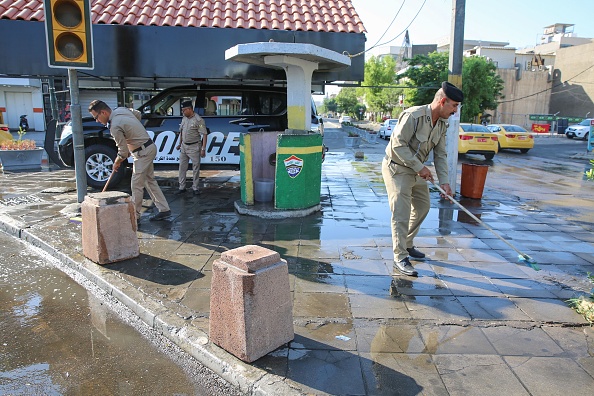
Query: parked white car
point(387, 127)
point(345, 118)
point(579, 131)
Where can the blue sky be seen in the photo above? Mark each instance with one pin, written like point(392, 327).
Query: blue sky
point(519, 22)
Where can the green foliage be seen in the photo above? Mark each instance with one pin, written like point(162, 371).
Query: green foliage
point(589, 174)
point(480, 83)
point(584, 305)
point(426, 72)
point(348, 102)
point(380, 73)
point(330, 105)
point(481, 86)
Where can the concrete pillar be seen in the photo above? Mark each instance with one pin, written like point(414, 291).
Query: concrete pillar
point(109, 227)
point(251, 312)
point(299, 72)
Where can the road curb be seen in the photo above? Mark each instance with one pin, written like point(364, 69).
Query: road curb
point(249, 379)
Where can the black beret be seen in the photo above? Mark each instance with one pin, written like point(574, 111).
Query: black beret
point(187, 103)
point(452, 92)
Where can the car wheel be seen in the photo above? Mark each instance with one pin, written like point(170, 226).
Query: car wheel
point(489, 156)
point(587, 135)
point(569, 137)
point(99, 160)
point(524, 151)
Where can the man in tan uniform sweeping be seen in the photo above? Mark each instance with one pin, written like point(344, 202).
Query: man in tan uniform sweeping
point(132, 139)
point(419, 130)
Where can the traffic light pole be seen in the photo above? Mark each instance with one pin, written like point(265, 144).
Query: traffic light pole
point(77, 136)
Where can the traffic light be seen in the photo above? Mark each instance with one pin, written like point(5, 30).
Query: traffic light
point(69, 34)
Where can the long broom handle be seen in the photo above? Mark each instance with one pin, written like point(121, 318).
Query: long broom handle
point(108, 180)
point(479, 220)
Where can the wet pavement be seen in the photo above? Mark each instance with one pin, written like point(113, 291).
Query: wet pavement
point(474, 321)
point(59, 338)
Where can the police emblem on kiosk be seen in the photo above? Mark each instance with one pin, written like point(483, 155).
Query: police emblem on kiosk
point(293, 165)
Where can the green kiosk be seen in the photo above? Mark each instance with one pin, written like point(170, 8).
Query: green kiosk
point(281, 172)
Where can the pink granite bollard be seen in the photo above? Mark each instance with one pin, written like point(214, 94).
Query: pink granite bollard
point(251, 312)
point(109, 227)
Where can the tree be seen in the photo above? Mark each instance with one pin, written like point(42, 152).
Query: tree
point(425, 73)
point(480, 83)
point(330, 105)
point(347, 101)
point(481, 87)
point(380, 73)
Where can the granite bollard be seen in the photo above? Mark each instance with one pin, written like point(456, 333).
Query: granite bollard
point(251, 312)
point(109, 227)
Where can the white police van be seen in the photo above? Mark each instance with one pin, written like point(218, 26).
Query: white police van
point(228, 111)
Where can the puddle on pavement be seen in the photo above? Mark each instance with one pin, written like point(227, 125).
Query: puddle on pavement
point(60, 339)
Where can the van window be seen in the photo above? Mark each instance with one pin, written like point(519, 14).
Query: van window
point(229, 103)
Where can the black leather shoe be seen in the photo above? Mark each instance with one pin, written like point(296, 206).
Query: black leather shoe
point(196, 192)
point(405, 267)
point(414, 253)
point(180, 192)
point(161, 216)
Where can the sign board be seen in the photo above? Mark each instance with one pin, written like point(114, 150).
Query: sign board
point(541, 128)
point(549, 117)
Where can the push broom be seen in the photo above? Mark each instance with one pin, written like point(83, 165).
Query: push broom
point(522, 257)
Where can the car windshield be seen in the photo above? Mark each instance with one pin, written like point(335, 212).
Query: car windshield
point(474, 128)
point(586, 122)
point(514, 128)
point(393, 122)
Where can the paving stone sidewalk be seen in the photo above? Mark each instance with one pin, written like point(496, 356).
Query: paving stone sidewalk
point(475, 321)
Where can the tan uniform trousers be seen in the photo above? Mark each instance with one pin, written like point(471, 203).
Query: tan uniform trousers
point(408, 196)
point(143, 176)
point(189, 152)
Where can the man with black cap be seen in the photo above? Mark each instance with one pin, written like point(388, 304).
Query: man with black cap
point(420, 130)
point(192, 145)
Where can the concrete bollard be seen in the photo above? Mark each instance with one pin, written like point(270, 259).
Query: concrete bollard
point(251, 312)
point(109, 227)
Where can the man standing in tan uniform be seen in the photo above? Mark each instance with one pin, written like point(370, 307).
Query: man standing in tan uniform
point(419, 130)
point(192, 145)
point(132, 139)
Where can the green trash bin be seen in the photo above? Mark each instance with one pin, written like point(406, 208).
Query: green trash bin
point(298, 175)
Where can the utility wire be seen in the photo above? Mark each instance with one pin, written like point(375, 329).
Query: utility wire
point(394, 38)
point(547, 89)
point(389, 26)
point(407, 26)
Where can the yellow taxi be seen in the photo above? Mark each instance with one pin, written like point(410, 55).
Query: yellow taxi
point(477, 139)
point(513, 137)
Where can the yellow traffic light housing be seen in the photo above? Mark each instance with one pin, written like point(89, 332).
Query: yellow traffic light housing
point(69, 34)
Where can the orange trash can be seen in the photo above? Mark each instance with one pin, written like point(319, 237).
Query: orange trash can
point(473, 180)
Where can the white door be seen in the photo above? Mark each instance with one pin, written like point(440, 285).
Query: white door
point(17, 104)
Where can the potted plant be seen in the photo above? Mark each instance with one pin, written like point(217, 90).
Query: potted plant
point(372, 136)
point(352, 140)
point(20, 154)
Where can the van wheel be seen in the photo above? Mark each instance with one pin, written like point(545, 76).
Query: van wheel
point(489, 156)
point(524, 151)
point(99, 161)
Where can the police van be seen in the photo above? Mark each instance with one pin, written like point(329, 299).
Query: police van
point(228, 111)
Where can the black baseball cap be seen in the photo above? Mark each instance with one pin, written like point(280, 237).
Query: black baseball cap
point(186, 103)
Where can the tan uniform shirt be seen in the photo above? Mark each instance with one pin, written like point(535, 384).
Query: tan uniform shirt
point(415, 137)
point(192, 129)
point(127, 130)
